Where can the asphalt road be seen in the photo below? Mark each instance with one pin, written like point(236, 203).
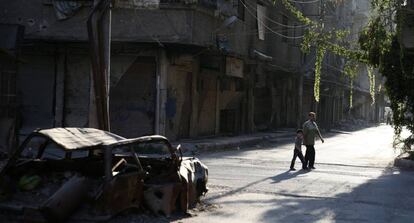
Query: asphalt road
point(354, 181)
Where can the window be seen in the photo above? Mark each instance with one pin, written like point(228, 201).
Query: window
point(41, 148)
point(239, 5)
point(284, 29)
point(31, 150)
point(152, 148)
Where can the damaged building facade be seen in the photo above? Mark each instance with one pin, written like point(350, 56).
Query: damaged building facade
point(182, 69)
point(407, 28)
point(337, 102)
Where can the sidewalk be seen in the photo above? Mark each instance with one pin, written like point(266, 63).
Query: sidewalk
point(194, 146)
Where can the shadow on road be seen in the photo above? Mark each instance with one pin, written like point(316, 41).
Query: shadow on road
point(276, 179)
point(287, 175)
point(388, 198)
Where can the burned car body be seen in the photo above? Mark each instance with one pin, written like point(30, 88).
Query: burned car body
point(88, 173)
point(172, 181)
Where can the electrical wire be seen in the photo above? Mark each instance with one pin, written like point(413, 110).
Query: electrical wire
point(254, 31)
point(273, 21)
point(267, 27)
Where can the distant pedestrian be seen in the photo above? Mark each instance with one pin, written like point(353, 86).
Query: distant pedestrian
point(389, 118)
point(297, 151)
point(310, 131)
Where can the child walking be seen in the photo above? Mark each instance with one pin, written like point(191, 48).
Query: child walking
point(297, 152)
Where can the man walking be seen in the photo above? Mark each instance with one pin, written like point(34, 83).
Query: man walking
point(310, 131)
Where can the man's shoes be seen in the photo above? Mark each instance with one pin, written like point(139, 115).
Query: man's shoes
point(305, 168)
point(292, 169)
point(312, 167)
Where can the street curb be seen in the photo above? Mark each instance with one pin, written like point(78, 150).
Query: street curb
point(404, 163)
point(232, 143)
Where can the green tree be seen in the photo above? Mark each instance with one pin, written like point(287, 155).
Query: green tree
point(378, 47)
point(380, 41)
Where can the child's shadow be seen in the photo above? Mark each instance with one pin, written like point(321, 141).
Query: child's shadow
point(287, 175)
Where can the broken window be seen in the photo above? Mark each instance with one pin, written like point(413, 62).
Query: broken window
point(152, 148)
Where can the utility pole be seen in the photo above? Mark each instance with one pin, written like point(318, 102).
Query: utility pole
point(99, 35)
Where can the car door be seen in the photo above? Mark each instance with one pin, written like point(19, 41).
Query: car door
point(123, 188)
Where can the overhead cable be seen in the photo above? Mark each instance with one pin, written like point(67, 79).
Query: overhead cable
point(267, 27)
point(273, 21)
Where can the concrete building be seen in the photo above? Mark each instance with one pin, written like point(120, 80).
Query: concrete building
point(288, 78)
point(335, 104)
point(363, 105)
point(407, 28)
point(11, 40)
point(172, 70)
point(179, 68)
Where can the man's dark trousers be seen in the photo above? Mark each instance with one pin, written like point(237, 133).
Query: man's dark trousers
point(297, 153)
point(310, 156)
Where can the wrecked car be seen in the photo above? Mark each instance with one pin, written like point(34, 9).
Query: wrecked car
point(172, 182)
point(85, 173)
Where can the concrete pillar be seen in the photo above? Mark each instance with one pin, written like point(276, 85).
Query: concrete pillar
point(244, 112)
point(250, 99)
point(60, 68)
point(274, 109)
point(334, 109)
point(300, 102)
point(194, 98)
point(218, 96)
point(161, 85)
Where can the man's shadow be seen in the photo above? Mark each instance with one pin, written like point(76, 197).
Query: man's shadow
point(287, 175)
